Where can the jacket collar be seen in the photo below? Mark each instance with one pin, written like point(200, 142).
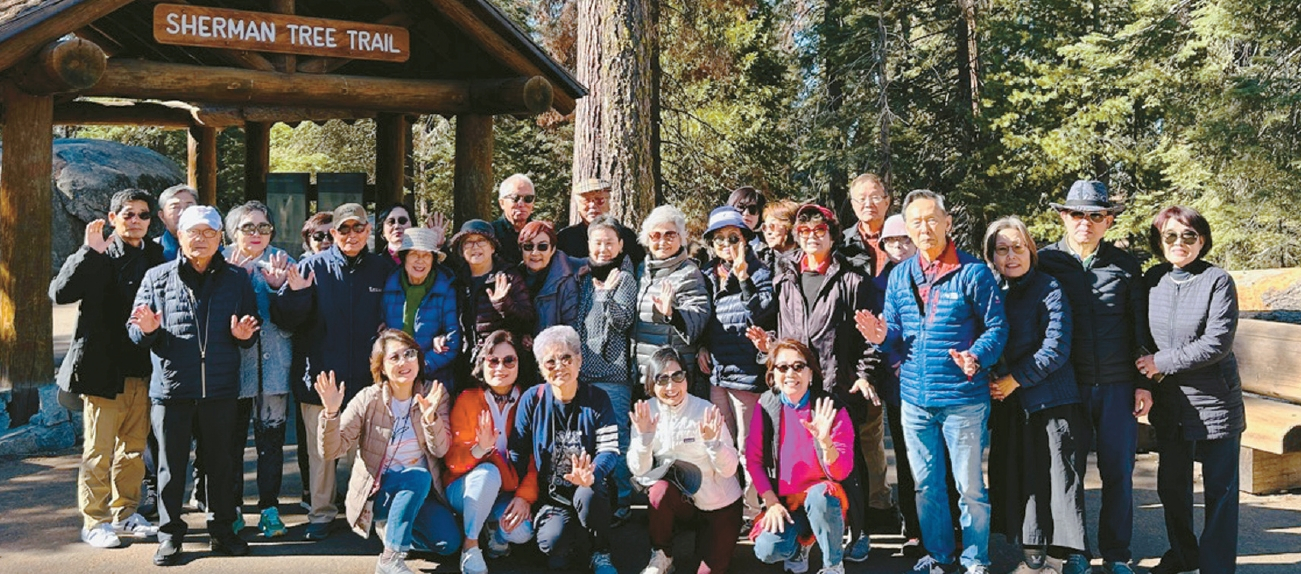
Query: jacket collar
point(653, 265)
point(560, 267)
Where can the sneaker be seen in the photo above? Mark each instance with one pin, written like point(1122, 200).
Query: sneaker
point(318, 531)
point(912, 548)
point(978, 569)
point(1035, 557)
point(498, 546)
point(148, 506)
point(306, 501)
point(168, 553)
point(837, 569)
point(392, 562)
point(472, 561)
point(238, 524)
point(1073, 564)
point(929, 565)
point(858, 550)
point(229, 544)
point(621, 516)
point(1117, 568)
point(601, 564)
point(135, 525)
point(101, 536)
point(660, 563)
point(799, 563)
point(270, 524)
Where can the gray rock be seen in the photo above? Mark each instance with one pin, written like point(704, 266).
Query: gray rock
point(51, 429)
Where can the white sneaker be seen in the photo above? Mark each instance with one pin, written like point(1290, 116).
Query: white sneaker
point(660, 563)
point(837, 569)
point(136, 525)
point(799, 563)
point(472, 561)
point(101, 536)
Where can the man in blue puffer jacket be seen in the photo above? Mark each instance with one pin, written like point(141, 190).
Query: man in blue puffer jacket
point(944, 315)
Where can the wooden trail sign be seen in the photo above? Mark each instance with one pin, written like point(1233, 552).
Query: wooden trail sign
point(201, 26)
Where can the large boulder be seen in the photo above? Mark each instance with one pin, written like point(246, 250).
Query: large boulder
point(86, 173)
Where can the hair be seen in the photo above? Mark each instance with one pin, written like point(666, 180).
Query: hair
point(562, 336)
point(664, 214)
point(377, 353)
point(659, 361)
point(238, 212)
point(492, 340)
point(1190, 218)
point(509, 184)
point(309, 227)
point(604, 222)
point(782, 209)
point(918, 194)
point(1010, 222)
point(172, 191)
point(824, 215)
point(746, 195)
point(867, 178)
point(533, 229)
point(803, 350)
point(383, 215)
point(121, 198)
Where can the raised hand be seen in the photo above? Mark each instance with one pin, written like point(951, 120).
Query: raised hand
point(297, 282)
point(967, 361)
point(500, 288)
point(95, 236)
point(515, 514)
point(331, 394)
point(866, 389)
point(485, 434)
point(429, 403)
point(761, 339)
point(243, 327)
point(824, 417)
point(437, 223)
point(711, 426)
point(240, 260)
point(439, 344)
point(872, 328)
point(610, 280)
point(1003, 387)
point(145, 319)
point(740, 267)
point(276, 271)
point(582, 470)
point(642, 419)
point(664, 301)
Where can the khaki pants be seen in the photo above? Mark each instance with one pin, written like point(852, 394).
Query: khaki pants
point(112, 456)
point(737, 408)
point(322, 479)
point(871, 441)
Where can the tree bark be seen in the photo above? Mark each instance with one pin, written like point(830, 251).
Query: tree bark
point(257, 162)
point(472, 196)
point(883, 101)
point(837, 176)
point(613, 125)
point(968, 57)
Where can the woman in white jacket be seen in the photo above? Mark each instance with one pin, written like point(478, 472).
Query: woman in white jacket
point(681, 451)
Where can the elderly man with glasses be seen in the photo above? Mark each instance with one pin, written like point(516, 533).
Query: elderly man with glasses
point(517, 199)
point(1109, 305)
point(592, 199)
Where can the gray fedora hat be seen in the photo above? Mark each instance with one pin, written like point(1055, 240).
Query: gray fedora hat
point(1086, 195)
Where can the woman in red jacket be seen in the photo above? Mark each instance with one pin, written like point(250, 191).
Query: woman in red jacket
point(481, 485)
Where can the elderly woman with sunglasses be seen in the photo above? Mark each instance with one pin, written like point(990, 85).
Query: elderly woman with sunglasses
point(681, 449)
point(1197, 408)
point(420, 300)
point(672, 297)
point(801, 446)
point(481, 485)
point(549, 276)
point(316, 233)
point(491, 293)
point(392, 223)
point(399, 425)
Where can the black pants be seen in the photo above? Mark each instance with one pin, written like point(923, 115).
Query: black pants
point(1217, 550)
point(578, 529)
point(175, 422)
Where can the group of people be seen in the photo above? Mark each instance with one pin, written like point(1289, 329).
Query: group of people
point(516, 383)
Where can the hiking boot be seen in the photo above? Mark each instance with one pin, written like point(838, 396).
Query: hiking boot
point(270, 524)
point(101, 536)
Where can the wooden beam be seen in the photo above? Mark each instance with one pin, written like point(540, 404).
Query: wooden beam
point(65, 65)
point(497, 46)
point(203, 163)
point(532, 94)
point(472, 196)
point(287, 63)
point(26, 200)
point(257, 160)
point(180, 115)
point(153, 80)
point(391, 136)
point(62, 18)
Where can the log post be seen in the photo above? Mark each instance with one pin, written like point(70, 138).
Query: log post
point(472, 175)
point(202, 163)
point(287, 63)
point(257, 162)
point(26, 322)
point(66, 65)
point(392, 132)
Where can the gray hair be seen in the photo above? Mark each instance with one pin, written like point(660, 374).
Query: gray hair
point(237, 213)
point(604, 222)
point(918, 194)
point(660, 215)
point(510, 183)
point(561, 336)
point(172, 191)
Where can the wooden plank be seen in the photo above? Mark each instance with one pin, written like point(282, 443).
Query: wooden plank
point(1272, 426)
point(26, 200)
point(1267, 359)
point(1269, 289)
point(184, 25)
point(202, 164)
point(1261, 472)
point(391, 136)
point(257, 160)
point(472, 196)
point(325, 65)
point(27, 41)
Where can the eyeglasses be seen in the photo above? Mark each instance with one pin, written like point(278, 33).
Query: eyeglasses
point(599, 198)
point(868, 199)
point(898, 241)
point(556, 362)
point(320, 236)
point(530, 246)
point(777, 227)
point(204, 233)
point(258, 228)
point(356, 228)
point(1094, 216)
point(752, 209)
point(797, 366)
point(1187, 237)
point(474, 243)
point(520, 198)
point(142, 216)
point(730, 239)
point(656, 236)
point(819, 230)
point(664, 379)
point(507, 361)
point(399, 220)
point(1003, 250)
point(402, 356)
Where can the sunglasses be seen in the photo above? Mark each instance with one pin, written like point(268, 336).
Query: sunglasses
point(777, 227)
point(402, 356)
point(204, 233)
point(720, 240)
point(1003, 250)
point(142, 216)
point(527, 247)
point(664, 379)
point(1188, 237)
point(813, 230)
point(508, 361)
point(556, 362)
point(797, 366)
point(320, 236)
point(656, 236)
point(751, 209)
point(1093, 216)
point(520, 198)
point(399, 220)
point(258, 228)
point(355, 228)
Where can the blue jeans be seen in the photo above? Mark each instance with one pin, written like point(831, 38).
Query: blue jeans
point(1112, 431)
point(412, 516)
point(820, 516)
point(478, 498)
point(964, 429)
point(621, 404)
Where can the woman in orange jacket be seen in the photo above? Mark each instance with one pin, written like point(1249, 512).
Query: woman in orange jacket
point(481, 485)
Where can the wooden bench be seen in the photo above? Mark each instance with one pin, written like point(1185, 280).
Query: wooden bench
point(1269, 361)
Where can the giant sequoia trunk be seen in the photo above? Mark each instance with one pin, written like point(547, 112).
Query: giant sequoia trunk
point(613, 124)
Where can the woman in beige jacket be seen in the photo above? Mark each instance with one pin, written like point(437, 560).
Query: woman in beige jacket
point(401, 425)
